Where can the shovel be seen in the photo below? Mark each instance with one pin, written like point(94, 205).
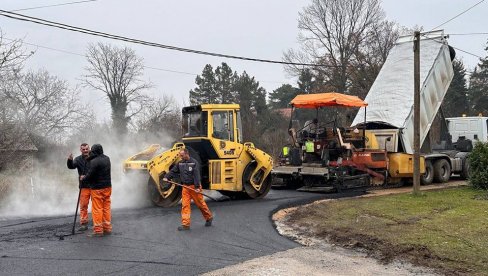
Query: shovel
point(198, 192)
point(62, 235)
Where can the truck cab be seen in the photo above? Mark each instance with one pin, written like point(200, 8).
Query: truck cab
point(473, 128)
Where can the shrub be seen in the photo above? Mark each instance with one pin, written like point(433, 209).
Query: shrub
point(478, 159)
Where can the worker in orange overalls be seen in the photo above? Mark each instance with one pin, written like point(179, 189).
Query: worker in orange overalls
point(81, 164)
point(189, 171)
point(99, 179)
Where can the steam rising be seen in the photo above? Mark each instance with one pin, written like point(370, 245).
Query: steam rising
point(52, 189)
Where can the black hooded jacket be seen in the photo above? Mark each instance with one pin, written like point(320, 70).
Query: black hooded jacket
point(81, 164)
point(98, 175)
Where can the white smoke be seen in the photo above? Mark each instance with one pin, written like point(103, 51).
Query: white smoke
point(52, 189)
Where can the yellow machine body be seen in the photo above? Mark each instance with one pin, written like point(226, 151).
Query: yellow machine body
point(213, 135)
point(401, 165)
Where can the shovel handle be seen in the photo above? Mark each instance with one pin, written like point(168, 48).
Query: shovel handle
point(186, 187)
point(76, 212)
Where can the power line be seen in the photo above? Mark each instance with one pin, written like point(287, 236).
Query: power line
point(466, 52)
point(55, 5)
point(147, 67)
point(438, 41)
point(458, 15)
point(49, 48)
point(470, 34)
point(171, 71)
point(44, 22)
point(81, 55)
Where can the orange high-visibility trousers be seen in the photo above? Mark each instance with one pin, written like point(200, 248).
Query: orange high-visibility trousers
point(186, 197)
point(84, 200)
point(101, 212)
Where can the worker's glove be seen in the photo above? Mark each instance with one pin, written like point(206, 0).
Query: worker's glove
point(165, 185)
point(198, 189)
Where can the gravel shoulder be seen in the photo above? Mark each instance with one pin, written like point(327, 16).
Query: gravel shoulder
point(317, 256)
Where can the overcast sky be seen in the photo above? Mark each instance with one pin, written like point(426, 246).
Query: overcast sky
point(253, 28)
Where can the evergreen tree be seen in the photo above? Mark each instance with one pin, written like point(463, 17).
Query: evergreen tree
point(247, 89)
point(456, 100)
point(205, 90)
point(478, 88)
point(282, 96)
point(306, 81)
point(224, 83)
point(252, 99)
point(265, 128)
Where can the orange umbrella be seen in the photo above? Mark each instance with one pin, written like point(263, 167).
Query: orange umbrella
point(326, 99)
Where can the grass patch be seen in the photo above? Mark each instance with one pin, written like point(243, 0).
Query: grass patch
point(446, 229)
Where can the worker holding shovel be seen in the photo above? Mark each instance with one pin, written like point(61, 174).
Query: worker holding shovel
point(189, 172)
point(81, 164)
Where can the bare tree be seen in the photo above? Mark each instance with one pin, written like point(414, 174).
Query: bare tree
point(44, 105)
point(12, 56)
point(161, 116)
point(370, 56)
point(117, 72)
point(333, 32)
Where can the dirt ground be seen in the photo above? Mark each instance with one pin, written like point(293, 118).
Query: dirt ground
point(319, 257)
point(319, 260)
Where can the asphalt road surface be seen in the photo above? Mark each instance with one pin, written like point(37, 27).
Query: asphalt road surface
point(145, 241)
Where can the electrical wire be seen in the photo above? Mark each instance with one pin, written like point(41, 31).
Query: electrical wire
point(466, 52)
point(44, 22)
point(463, 12)
point(438, 41)
point(81, 55)
point(147, 67)
point(55, 5)
point(458, 15)
point(470, 34)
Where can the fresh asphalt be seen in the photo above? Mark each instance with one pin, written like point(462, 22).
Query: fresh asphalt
point(145, 241)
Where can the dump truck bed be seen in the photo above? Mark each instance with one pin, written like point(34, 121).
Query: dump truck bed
point(390, 99)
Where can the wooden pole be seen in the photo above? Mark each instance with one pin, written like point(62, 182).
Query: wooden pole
point(416, 115)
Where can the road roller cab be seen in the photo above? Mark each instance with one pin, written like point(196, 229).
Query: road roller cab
point(213, 135)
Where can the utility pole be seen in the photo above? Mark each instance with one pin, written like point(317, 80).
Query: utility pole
point(416, 114)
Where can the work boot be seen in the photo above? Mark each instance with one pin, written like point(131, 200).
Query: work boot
point(95, 235)
point(107, 233)
point(83, 227)
point(183, 228)
point(208, 222)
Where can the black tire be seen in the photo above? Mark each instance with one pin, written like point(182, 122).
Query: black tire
point(428, 177)
point(465, 172)
point(442, 171)
point(171, 196)
point(249, 189)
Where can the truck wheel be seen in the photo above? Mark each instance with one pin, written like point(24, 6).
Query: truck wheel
point(465, 172)
point(442, 171)
point(428, 176)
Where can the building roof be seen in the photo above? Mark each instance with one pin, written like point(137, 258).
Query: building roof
point(285, 112)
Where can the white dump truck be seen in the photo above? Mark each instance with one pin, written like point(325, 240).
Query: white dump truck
point(390, 109)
